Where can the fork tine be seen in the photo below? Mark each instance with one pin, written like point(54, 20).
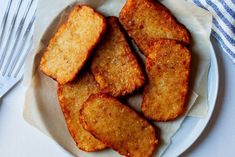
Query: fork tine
point(24, 58)
point(11, 32)
point(25, 37)
point(4, 21)
point(18, 33)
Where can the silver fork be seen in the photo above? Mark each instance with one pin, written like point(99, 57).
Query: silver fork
point(14, 52)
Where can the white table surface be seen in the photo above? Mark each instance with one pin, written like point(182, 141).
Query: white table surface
point(19, 139)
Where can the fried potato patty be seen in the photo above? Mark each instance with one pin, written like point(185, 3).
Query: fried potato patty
point(71, 97)
point(71, 46)
point(118, 126)
point(148, 20)
point(114, 66)
point(168, 68)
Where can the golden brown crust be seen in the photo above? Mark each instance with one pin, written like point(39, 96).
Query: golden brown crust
point(71, 97)
point(114, 65)
point(118, 126)
point(147, 21)
point(73, 43)
point(168, 68)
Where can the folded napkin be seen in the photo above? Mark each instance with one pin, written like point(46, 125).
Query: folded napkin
point(223, 28)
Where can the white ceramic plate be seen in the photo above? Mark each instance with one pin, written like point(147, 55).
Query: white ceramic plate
point(192, 128)
point(183, 139)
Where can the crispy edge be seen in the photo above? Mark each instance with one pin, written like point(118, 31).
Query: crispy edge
point(71, 131)
point(58, 33)
point(129, 9)
point(183, 109)
point(112, 20)
point(102, 95)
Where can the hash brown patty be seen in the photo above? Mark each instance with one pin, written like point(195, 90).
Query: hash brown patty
point(114, 65)
point(71, 97)
point(118, 126)
point(168, 68)
point(72, 44)
point(147, 21)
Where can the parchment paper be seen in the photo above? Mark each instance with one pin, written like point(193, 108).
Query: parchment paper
point(41, 105)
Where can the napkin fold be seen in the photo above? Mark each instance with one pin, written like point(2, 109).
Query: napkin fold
point(223, 28)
